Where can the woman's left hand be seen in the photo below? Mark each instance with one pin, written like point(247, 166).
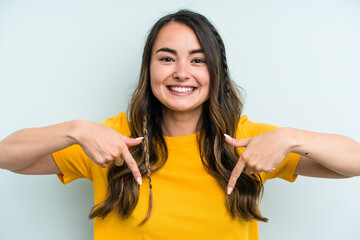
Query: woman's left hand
point(262, 153)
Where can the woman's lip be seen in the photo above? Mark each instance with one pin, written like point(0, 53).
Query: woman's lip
point(181, 93)
point(183, 86)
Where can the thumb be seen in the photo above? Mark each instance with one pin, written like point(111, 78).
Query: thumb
point(132, 141)
point(237, 142)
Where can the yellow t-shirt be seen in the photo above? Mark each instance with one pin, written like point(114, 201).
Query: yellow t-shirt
point(188, 203)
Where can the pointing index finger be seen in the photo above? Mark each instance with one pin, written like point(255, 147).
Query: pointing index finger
point(131, 163)
point(239, 167)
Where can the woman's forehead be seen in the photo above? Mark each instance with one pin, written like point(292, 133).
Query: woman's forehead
point(176, 35)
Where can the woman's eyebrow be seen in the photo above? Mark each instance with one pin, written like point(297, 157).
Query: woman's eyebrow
point(169, 50)
point(200, 50)
point(166, 50)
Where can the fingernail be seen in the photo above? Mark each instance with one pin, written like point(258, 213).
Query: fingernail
point(139, 138)
point(229, 190)
point(139, 181)
point(227, 136)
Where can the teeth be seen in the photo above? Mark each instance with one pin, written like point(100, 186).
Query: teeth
point(182, 89)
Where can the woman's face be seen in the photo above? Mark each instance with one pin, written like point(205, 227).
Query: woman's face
point(179, 75)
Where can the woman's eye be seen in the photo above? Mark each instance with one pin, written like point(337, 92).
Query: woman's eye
point(198, 60)
point(166, 59)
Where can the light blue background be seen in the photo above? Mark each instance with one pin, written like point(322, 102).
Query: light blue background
point(297, 60)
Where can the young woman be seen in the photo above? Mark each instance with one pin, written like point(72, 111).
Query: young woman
point(172, 170)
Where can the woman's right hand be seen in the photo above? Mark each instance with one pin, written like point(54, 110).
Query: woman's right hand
point(28, 151)
point(105, 146)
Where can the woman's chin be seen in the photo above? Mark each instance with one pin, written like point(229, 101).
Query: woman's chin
point(183, 108)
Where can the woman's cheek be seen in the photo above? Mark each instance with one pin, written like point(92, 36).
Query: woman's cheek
point(158, 73)
point(203, 77)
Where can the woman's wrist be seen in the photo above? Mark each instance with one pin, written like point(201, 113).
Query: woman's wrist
point(292, 139)
point(76, 130)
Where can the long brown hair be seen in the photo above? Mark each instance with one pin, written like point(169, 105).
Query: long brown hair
point(221, 113)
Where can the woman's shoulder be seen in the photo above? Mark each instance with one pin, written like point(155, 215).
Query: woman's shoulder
point(120, 123)
point(247, 128)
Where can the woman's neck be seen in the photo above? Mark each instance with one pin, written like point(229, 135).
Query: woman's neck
point(180, 123)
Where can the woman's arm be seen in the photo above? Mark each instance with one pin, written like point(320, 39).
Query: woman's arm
point(323, 155)
point(23, 148)
point(336, 152)
point(28, 151)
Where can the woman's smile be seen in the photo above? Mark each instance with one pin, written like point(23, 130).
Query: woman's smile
point(179, 90)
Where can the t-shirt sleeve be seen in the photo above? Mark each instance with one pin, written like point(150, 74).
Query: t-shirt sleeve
point(248, 129)
point(73, 161)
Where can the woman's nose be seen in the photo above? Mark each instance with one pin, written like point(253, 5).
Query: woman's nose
point(181, 72)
